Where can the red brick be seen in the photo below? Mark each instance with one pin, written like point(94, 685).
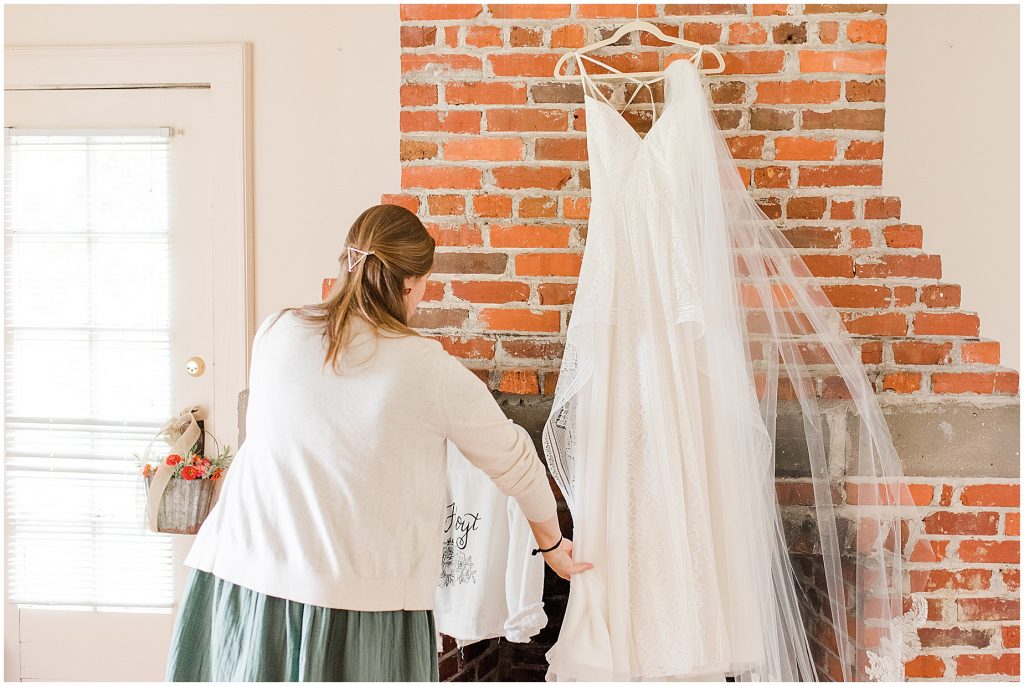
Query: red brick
point(902, 382)
point(484, 36)
point(864, 150)
point(491, 291)
point(455, 121)
point(946, 580)
point(520, 382)
point(798, 92)
point(468, 348)
point(442, 205)
point(526, 236)
point(439, 12)
point(991, 495)
point(806, 207)
point(571, 36)
point(575, 208)
point(589, 11)
point(766, 10)
point(538, 207)
point(979, 352)
point(861, 31)
point(946, 324)
point(745, 147)
point(842, 210)
point(925, 667)
point(440, 177)
point(996, 383)
point(485, 93)
point(533, 349)
point(549, 264)
point(842, 61)
point(828, 32)
point(772, 177)
point(754, 62)
point(885, 266)
point(799, 148)
point(455, 234)
point(418, 36)
point(492, 205)
point(469, 262)
point(943, 295)
point(570, 149)
point(902, 236)
point(522, 37)
point(518, 64)
point(455, 62)
point(434, 292)
point(451, 36)
point(552, 178)
point(747, 33)
point(882, 208)
point(1012, 525)
point(528, 119)
point(520, 320)
point(871, 352)
point(832, 176)
point(812, 237)
point(919, 352)
point(904, 296)
point(439, 318)
point(503, 11)
point(883, 324)
point(990, 551)
point(628, 62)
point(972, 665)
point(485, 148)
point(706, 9)
point(410, 150)
point(1011, 636)
point(853, 295)
point(556, 293)
point(409, 202)
point(962, 523)
point(955, 636)
point(702, 32)
point(1011, 579)
point(417, 94)
point(829, 265)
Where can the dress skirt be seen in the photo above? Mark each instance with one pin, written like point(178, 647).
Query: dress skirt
point(225, 632)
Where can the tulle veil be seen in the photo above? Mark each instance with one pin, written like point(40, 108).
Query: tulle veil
point(779, 359)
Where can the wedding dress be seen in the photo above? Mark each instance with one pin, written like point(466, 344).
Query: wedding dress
point(695, 326)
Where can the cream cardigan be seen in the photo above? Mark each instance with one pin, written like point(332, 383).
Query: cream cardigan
point(337, 496)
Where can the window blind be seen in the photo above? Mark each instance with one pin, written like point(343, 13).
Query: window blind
point(87, 379)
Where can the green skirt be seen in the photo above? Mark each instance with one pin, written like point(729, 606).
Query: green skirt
point(225, 632)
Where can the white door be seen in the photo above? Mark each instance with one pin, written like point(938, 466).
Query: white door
point(109, 291)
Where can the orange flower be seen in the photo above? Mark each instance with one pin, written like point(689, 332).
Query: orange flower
point(172, 460)
point(217, 473)
point(145, 469)
point(189, 473)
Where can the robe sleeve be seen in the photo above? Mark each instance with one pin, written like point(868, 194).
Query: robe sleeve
point(491, 441)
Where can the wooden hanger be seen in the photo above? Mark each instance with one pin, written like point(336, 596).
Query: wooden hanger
point(638, 26)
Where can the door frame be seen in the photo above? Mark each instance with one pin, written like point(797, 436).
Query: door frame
point(226, 71)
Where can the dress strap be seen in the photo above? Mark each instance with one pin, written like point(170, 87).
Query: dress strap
point(591, 88)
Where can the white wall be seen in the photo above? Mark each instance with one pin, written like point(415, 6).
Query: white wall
point(952, 149)
point(325, 114)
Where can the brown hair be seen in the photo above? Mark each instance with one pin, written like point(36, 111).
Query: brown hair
point(390, 244)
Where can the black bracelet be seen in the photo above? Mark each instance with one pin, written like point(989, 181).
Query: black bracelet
point(548, 550)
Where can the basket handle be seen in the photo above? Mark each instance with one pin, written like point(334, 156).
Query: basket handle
point(187, 428)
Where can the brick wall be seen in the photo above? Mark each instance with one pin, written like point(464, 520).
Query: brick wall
point(493, 157)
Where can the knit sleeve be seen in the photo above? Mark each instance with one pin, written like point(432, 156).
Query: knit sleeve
point(491, 441)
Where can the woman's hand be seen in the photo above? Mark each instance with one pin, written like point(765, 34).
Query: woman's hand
point(547, 534)
point(560, 560)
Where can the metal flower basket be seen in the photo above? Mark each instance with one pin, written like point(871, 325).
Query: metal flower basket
point(182, 483)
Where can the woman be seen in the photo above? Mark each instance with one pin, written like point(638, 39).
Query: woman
point(321, 558)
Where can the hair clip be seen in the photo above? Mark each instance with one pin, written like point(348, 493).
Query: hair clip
point(361, 255)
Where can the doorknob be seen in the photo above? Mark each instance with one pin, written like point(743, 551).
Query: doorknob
point(195, 366)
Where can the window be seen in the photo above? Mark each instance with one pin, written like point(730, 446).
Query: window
point(86, 364)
